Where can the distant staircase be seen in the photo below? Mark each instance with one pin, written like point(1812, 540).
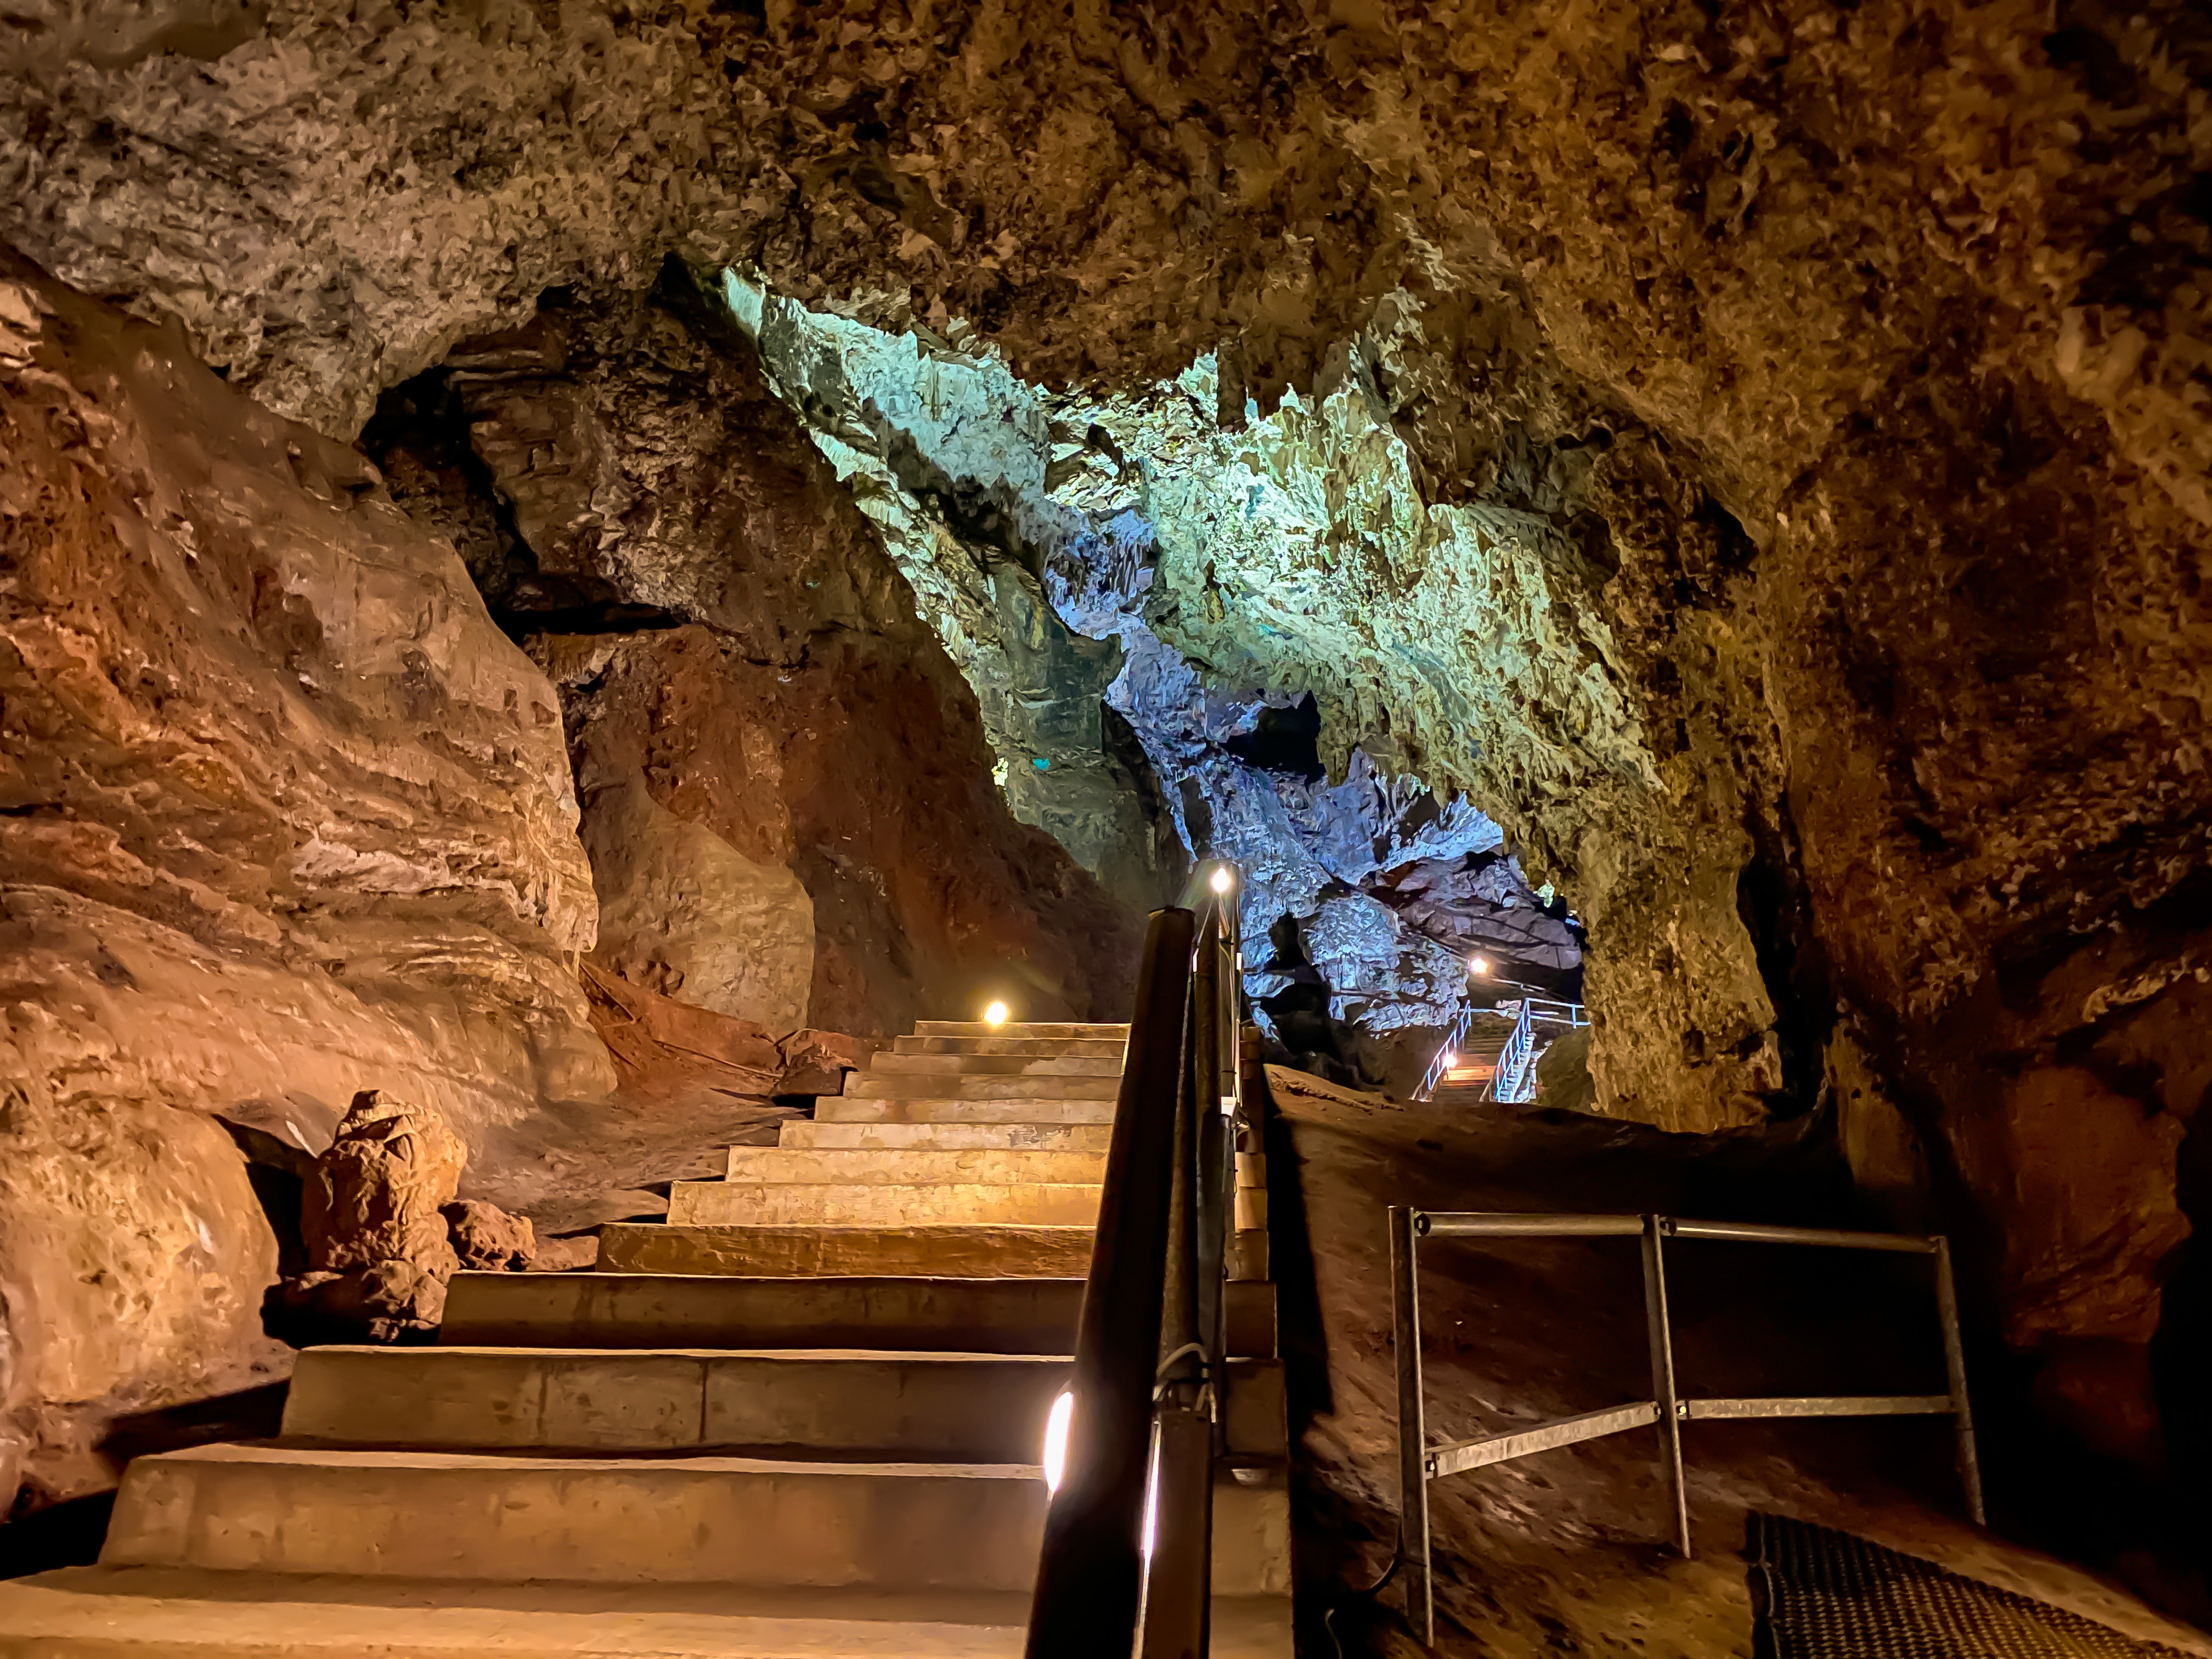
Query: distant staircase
point(1490, 1052)
point(802, 1420)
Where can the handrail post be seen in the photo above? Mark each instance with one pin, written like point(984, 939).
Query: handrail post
point(1663, 1379)
point(1955, 1370)
point(1084, 1605)
point(1412, 1425)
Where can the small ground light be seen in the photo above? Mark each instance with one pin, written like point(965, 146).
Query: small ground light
point(1055, 1441)
point(995, 1014)
point(1479, 966)
point(1451, 1059)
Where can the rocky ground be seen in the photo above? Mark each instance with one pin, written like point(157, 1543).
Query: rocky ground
point(1565, 1552)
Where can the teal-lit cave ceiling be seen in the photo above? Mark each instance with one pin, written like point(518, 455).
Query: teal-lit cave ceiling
point(1126, 583)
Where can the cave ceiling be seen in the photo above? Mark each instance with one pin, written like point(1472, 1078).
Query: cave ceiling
point(1773, 438)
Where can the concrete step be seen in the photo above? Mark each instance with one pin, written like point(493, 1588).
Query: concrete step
point(670, 1310)
point(962, 1252)
point(866, 1204)
point(803, 1134)
point(260, 1508)
point(883, 1086)
point(915, 1167)
point(158, 1612)
point(1112, 1048)
point(881, 1065)
point(929, 1407)
point(1054, 1030)
point(938, 1109)
point(951, 1408)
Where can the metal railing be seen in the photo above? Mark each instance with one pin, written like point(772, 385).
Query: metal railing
point(1514, 1080)
point(1148, 1421)
point(1419, 1463)
point(1454, 1035)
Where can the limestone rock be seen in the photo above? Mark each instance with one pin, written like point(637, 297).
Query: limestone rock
point(373, 1220)
point(487, 1239)
point(378, 1193)
point(279, 809)
point(684, 913)
point(803, 714)
point(134, 1253)
point(1763, 451)
point(651, 1035)
point(817, 1062)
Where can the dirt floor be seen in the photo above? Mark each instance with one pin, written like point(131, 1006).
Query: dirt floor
point(1566, 1552)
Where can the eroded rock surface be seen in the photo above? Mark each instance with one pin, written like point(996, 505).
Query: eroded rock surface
point(487, 1239)
point(1819, 391)
point(280, 809)
point(683, 912)
point(743, 667)
point(374, 1219)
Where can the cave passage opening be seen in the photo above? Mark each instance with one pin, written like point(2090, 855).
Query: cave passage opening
point(1123, 580)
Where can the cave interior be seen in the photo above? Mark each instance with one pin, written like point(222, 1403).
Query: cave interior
point(576, 573)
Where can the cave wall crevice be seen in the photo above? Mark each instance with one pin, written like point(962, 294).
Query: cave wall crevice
point(744, 674)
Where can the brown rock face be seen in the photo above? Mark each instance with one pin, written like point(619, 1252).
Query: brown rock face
point(1832, 380)
point(374, 1219)
point(863, 769)
point(279, 807)
point(487, 1239)
point(788, 799)
point(380, 1192)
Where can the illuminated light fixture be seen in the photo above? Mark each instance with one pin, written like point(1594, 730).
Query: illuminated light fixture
point(995, 1014)
point(1451, 1059)
point(1222, 878)
point(1152, 1500)
point(1055, 1440)
point(1479, 966)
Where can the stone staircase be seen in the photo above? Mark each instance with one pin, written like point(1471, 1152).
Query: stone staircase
point(800, 1421)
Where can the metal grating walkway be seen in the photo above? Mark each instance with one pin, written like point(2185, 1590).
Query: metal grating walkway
point(1828, 1594)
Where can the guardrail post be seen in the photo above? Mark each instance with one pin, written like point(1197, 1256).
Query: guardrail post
point(1662, 1378)
point(1413, 1425)
point(1955, 1368)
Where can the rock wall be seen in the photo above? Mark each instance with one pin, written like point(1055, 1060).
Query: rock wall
point(1836, 374)
point(743, 672)
point(281, 816)
point(683, 912)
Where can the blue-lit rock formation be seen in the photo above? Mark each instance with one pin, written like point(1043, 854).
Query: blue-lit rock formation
point(1034, 528)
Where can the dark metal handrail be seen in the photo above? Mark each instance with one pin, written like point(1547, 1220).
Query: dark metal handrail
point(1150, 1347)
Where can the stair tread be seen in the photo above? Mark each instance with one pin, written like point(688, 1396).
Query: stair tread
point(916, 1165)
point(930, 1205)
point(629, 1311)
point(818, 1135)
point(219, 1614)
point(880, 1497)
point(270, 1453)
